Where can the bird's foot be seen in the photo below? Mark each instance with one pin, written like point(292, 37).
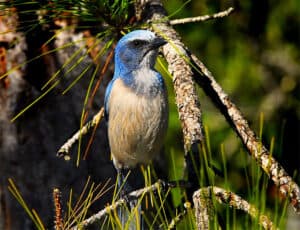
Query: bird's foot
point(174, 184)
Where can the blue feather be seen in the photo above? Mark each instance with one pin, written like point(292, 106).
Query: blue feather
point(136, 105)
point(106, 98)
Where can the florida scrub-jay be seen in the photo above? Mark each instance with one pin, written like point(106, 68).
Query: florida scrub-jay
point(136, 104)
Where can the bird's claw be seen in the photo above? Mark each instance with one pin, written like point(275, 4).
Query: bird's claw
point(174, 184)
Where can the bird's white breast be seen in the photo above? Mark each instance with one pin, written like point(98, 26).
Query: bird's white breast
point(137, 125)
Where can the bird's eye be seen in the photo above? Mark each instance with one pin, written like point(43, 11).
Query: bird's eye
point(136, 43)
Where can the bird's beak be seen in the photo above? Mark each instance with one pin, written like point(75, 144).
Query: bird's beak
point(157, 42)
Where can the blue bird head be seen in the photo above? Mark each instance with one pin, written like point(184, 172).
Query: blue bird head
point(135, 56)
point(137, 49)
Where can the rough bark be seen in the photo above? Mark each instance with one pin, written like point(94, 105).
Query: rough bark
point(187, 100)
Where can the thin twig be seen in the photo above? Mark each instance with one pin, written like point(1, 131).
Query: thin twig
point(203, 18)
point(64, 151)
point(91, 99)
point(103, 71)
point(201, 197)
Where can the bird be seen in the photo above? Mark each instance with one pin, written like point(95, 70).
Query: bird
point(136, 103)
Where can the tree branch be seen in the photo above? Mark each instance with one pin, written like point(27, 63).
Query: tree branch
point(190, 114)
point(186, 96)
point(286, 185)
point(203, 18)
point(203, 205)
point(64, 151)
point(203, 209)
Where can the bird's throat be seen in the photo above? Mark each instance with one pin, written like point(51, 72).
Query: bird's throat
point(144, 81)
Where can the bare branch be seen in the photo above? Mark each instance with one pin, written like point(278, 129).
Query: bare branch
point(203, 18)
point(64, 151)
point(203, 195)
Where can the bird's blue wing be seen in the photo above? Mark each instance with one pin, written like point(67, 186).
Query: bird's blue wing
point(106, 98)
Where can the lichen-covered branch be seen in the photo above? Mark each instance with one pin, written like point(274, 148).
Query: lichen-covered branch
point(203, 209)
point(185, 91)
point(203, 206)
point(286, 185)
point(64, 151)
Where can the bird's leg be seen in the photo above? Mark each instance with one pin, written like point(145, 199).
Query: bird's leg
point(125, 189)
point(123, 183)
